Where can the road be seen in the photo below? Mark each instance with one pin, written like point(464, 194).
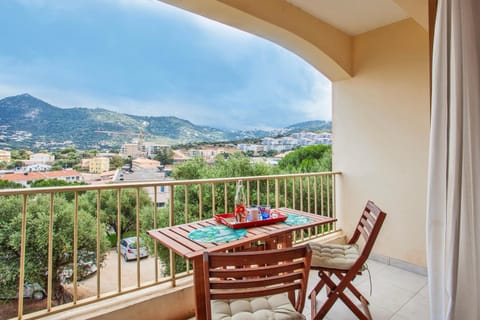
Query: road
point(108, 274)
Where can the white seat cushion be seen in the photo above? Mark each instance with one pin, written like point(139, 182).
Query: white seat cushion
point(276, 307)
point(334, 256)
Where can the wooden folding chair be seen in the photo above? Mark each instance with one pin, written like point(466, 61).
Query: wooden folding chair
point(345, 261)
point(257, 285)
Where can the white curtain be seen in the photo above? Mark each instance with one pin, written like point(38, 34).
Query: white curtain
point(453, 206)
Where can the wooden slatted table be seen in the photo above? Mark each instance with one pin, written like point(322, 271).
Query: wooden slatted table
point(274, 236)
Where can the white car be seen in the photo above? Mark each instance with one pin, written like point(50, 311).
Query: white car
point(34, 291)
point(128, 248)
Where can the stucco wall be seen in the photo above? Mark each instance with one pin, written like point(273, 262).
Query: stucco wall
point(380, 136)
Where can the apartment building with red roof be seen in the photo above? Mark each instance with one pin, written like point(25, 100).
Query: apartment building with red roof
point(27, 178)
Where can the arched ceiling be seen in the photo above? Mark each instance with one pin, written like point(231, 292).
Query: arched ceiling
point(320, 31)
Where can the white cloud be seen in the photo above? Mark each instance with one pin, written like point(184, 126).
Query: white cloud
point(319, 105)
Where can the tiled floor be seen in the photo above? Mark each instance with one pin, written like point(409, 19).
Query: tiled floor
point(396, 294)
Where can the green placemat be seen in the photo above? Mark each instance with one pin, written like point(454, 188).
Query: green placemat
point(218, 233)
point(295, 220)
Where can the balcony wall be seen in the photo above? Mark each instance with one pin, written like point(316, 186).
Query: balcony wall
point(381, 136)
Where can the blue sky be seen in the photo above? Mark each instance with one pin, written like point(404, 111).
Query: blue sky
point(144, 57)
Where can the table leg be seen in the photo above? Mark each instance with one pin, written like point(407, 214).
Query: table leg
point(199, 288)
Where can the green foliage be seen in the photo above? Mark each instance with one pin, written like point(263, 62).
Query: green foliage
point(21, 154)
point(165, 156)
point(108, 204)
point(116, 162)
point(192, 169)
point(54, 183)
point(317, 158)
point(36, 244)
point(5, 184)
point(67, 158)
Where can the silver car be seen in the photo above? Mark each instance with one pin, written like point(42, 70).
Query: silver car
point(128, 248)
point(33, 291)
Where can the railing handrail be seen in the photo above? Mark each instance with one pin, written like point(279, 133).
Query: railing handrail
point(123, 185)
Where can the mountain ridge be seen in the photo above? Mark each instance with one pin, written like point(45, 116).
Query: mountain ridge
point(29, 122)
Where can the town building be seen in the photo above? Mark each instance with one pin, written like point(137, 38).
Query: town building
point(131, 150)
point(41, 158)
point(5, 155)
point(99, 165)
point(151, 149)
point(27, 178)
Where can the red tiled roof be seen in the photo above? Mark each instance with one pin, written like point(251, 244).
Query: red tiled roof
point(39, 175)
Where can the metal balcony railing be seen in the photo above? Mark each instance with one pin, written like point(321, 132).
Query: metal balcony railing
point(56, 227)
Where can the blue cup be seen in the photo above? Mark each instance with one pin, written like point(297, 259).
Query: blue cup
point(265, 212)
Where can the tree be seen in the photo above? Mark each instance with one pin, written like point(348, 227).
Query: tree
point(192, 169)
point(116, 162)
point(36, 241)
point(315, 158)
point(21, 154)
point(108, 204)
point(54, 183)
point(164, 155)
point(5, 184)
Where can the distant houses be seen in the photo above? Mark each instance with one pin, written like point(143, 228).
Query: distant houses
point(99, 165)
point(27, 178)
point(5, 155)
point(291, 142)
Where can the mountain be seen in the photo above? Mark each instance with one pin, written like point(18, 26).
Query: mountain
point(28, 122)
point(314, 125)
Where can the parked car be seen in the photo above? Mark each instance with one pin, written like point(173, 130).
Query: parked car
point(33, 291)
point(86, 266)
point(128, 248)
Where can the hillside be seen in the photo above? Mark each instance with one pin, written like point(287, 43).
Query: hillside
point(28, 122)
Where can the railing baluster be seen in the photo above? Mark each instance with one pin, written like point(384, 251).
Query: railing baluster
point(248, 193)
point(301, 194)
point(200, 201)
point(155, 217)
point(23, 240)
point(98, 243)
point(75, 249)
point(328, 196)
point(213, 199)
point(308, 195)
point(315, 201)
point(258, 192)
point(171, 222)
point(334, 201)
point(119, 235)
point(185, 188)
point(137, 227)
point(50, 253)
point(277, 193)
point(225, 196)
point(293, 193)
point(185, 213)
point(268, 192)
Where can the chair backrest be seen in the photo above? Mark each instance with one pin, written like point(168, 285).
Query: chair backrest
point(241, 275)
point(368, 228)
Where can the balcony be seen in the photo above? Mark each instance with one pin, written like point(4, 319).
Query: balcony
point(57, 226)
point(381, 119)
